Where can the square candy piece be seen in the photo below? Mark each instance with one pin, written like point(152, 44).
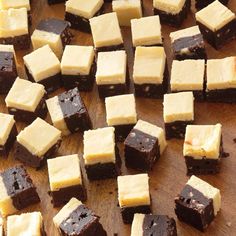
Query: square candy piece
point(37, 142)
point(133, 196)
point(144, 145)
point(199, 4)
point(198, 203)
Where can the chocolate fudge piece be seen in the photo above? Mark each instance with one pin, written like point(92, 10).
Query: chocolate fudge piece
point(26, 100)
point(68, 112)
point(108, 37)
point(133, 196)
point(112, 73)
point(101, 156)
point(203, 149)
point(178, 112)
point(65, 179)
point(188, 44)
point(144, 145)
point(121, 114)
point(158, 225)
point(78, 67)
point(42, 66)
point(75, 219)
point(198, 203)
point(150, 72)
point(220, 29)
point(17, 190)
point(199, 4)
point(51, 2)
point(37, 142)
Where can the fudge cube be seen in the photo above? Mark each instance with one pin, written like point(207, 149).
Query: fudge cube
point(42, 66)
point(203, 149)
point(133, 196)
point(65, 179)
point(17, 190)
point(106, 32)
point(101, 155)
point(112, 73)
point(78, 13)
point(121, 114)
point(68, 112)
point(188, 44)
point(178, 112)
point(146, 31)
point(198, 203)
point(37, 142)
point(76, 219)
point(220, 29)
point(26, 100)
point(199, 4)
point(78, 67)
point(144, 145)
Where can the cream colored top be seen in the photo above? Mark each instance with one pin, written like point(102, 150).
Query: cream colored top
point(137, 225)
point(6, 4)
point(7, 48)
point(169, 6)
point(7, 122)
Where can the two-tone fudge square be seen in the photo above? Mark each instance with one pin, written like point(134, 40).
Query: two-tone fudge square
point(14, 28)
point(188, 44)
point(150, 72)
point(172, 12)
point(199, 4)
point(144, 146)
point(203, 149)
point(106, 32)
point(112, 76)
point(17, 190)
point(37, 142)
point(198, 203)
point(101, 155)
point(42, 66)
point(134, 196)
point(26, 100)
point(78, 67)
point(68, 112)
point(158, 225)
point(65, 179)
point(75, 219)
point(121, 114)
point(183, 78)
point(220, 29)
point(178, 112)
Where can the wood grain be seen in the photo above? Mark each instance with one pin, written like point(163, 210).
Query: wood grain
point(169, 175)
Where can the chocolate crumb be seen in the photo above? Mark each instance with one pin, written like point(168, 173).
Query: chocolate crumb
point(115, 234)
point(111, 192)
point(234, 140)
point(225, 154)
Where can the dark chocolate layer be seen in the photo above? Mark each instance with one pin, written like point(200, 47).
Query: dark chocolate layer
point(122, 131)
point(221, 95)
point(50, 2)
point(20, 42)
point(110, 48)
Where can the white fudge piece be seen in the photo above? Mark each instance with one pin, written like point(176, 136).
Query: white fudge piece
point(7, 122)
point(6, 4)
point(137, 225)
point(169, 6)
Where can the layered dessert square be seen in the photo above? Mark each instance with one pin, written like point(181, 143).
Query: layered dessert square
point(199, 4)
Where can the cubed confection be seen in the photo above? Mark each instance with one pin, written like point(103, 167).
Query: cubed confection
point(198, 203)
point(68, 112)
point(54, 32)
point(17, 190)
point(121, 114)
point(37, 142)
point(133, 196)
point(178, 112)
point(65, 179)
point(78, 67)
point(112, 76)
point(203, 149)
point(158, 225)
point(199, 4)
point(188, 44)
point(183, 78)
point(14, 28)
point(26, 100)
point(172, 12)
point(106, 32)
point(150, 72)
point(127, 10)
point(146, 31)
point(101, 155)
point(78, 13)
point(75, 219)
point(42, 66)
point(144, 146)
point(220, 29)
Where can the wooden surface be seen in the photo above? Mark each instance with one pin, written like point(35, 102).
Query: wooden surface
point(169, 174)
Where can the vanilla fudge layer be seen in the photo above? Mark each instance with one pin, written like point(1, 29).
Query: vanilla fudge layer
point(6, 4)
point(7, 122)
point(8, 48)
point(169, 6)
point(137, 225)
